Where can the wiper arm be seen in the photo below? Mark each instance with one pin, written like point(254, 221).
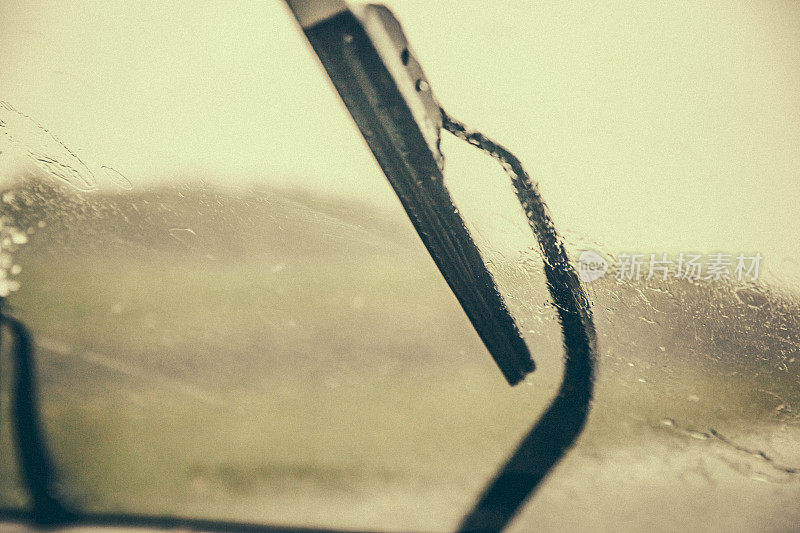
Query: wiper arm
point(383, 86)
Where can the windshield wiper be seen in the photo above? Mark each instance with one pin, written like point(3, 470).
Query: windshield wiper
point(383, 86)
point(371, 65)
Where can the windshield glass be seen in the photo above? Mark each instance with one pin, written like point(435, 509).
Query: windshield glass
point(233, 318)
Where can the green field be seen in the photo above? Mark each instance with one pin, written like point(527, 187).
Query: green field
point(270, 356)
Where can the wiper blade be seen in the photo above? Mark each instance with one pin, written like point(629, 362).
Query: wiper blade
point(367, 57)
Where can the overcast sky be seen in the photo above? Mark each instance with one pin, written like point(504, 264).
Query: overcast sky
point(652, 126)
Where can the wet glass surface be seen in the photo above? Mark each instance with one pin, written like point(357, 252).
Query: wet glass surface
point(217, 345)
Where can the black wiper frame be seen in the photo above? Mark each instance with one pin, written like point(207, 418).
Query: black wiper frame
point(383, 86)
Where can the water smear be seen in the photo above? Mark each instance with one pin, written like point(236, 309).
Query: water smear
point(25, 139)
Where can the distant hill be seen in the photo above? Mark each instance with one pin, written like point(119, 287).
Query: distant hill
point(182, 219)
